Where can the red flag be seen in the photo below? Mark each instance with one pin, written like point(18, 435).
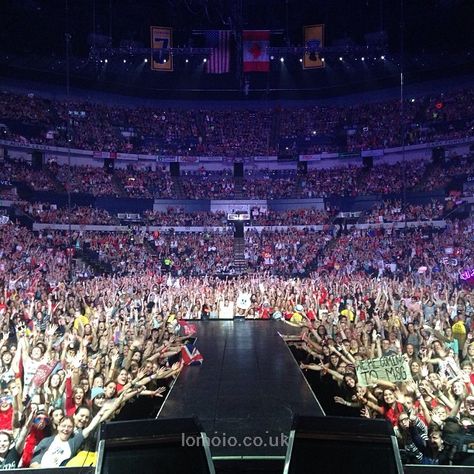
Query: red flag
point(188, 328)
point(255, 54)
point(42, 373)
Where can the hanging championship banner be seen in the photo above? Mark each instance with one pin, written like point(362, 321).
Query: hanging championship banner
point(161, 40)
point(313, 41)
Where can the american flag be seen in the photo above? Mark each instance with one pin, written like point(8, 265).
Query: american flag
point(219, 60)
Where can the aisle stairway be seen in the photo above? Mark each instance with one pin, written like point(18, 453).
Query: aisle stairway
point(240, 263)
point(52, 174)
point(238, 186)
point(177, 188)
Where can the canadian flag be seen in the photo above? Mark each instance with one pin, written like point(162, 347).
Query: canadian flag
point(255, 54)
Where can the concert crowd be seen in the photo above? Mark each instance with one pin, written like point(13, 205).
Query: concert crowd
point(94, 323)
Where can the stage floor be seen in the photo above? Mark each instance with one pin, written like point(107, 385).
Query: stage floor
point(247, 390)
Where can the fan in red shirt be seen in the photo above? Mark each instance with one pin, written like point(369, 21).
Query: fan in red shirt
point(6, 412)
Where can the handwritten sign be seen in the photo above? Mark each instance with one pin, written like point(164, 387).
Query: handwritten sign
point(392, 368)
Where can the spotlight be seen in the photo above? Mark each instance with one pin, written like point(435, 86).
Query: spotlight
point(340, 58)
point(204, 60)
point(282, 59)
point(124, 61)
point(165, 60)
point(412, 100)
point(146, 60)
point(106, 61)
point(382, 57)
point(272, 57)
point(186, 60)
point(322, 60)
point(362, 58)
point(301, 60)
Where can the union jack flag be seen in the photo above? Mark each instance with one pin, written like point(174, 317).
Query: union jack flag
point(190, 355)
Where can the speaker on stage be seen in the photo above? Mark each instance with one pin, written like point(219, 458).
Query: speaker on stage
point(238, 170)
point(368, 162)
point(109, 165)
point(167, 446)
point(302, 168)
point(37, 160)
point(174, 169)
point(438, 154)
point(342, 444)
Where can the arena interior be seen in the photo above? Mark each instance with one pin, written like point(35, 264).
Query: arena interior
point(237, 236)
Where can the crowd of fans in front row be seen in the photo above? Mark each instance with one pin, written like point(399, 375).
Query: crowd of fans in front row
point(76, 348)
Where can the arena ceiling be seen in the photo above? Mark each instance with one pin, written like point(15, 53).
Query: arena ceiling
point(437, 40)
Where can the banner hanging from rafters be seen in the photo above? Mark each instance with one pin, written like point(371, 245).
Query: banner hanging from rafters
point(219, 59)
point(313, 41)
point(255, 50)
point(161, 40)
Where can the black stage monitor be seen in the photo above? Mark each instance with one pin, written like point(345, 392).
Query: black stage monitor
point(340, 445)
point(168, 446)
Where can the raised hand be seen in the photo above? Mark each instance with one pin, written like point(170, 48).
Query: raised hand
point(51, 330)
point(159, 392)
